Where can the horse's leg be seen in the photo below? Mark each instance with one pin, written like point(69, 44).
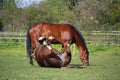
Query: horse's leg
point(66, 47)
point(33, 56)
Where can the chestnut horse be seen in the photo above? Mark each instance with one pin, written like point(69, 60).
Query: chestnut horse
point(46, 56)
point(64, 34)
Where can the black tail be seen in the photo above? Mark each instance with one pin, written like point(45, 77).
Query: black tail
point(28, 46)
point(28, 43)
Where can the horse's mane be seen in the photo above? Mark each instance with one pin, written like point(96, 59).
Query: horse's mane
point(80, 35)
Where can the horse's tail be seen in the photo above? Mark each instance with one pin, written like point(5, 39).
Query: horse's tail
point(28, 44)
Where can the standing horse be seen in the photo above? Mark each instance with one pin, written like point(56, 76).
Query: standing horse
point(64, 34)
point(46, 56)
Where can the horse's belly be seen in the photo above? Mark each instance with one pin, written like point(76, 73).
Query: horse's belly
point(55, 42)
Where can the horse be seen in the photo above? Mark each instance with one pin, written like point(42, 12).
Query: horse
point(65, 34)
point(46, 56)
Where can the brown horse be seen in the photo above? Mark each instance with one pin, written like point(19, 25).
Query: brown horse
point(64, 34)
point(46, 56)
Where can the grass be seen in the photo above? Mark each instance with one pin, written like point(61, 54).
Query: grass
point(104, 65)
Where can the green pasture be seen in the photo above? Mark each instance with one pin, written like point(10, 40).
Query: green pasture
point(104, 65)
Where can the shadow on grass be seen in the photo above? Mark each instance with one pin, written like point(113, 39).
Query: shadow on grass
point(97, 65)
point(77, 66)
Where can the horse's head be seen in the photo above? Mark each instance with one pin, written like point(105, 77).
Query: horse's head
point(85, 57)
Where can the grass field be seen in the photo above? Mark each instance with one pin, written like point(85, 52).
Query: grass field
point(104, 65)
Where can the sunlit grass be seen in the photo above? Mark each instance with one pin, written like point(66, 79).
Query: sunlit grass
point(104, 65)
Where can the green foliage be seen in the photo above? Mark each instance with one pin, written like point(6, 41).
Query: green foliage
point(11, 17)
point(114, 12)
point(86, 15)
point(1, 25)
point(1, 4)
point(100, 49)
point(53, 11)
point(111, 16)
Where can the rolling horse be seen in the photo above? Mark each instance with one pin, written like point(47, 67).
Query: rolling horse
point(65, 34)
point(47, 56)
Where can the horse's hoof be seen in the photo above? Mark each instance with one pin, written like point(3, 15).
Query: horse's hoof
point(31, 63)
point(86, 64)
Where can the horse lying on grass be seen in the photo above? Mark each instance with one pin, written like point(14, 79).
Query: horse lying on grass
point(46, 56)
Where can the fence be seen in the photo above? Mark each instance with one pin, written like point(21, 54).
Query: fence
point(12, 38)
point(92, 38)
point(102, 38)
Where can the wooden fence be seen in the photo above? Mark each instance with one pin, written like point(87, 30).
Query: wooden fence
point(91, 38)
point(102, 38)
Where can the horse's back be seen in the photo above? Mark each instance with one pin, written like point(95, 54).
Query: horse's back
point(51, 28)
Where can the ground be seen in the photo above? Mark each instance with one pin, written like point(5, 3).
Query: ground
point(104, 65)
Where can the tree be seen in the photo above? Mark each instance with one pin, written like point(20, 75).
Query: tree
point(84, 14)
point(2, 4)
point(52, 11)
point(11, 16)
point(111, 16)
point(1, 26)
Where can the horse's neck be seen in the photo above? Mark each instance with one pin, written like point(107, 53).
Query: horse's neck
point(83, 48)
point(80, 43)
